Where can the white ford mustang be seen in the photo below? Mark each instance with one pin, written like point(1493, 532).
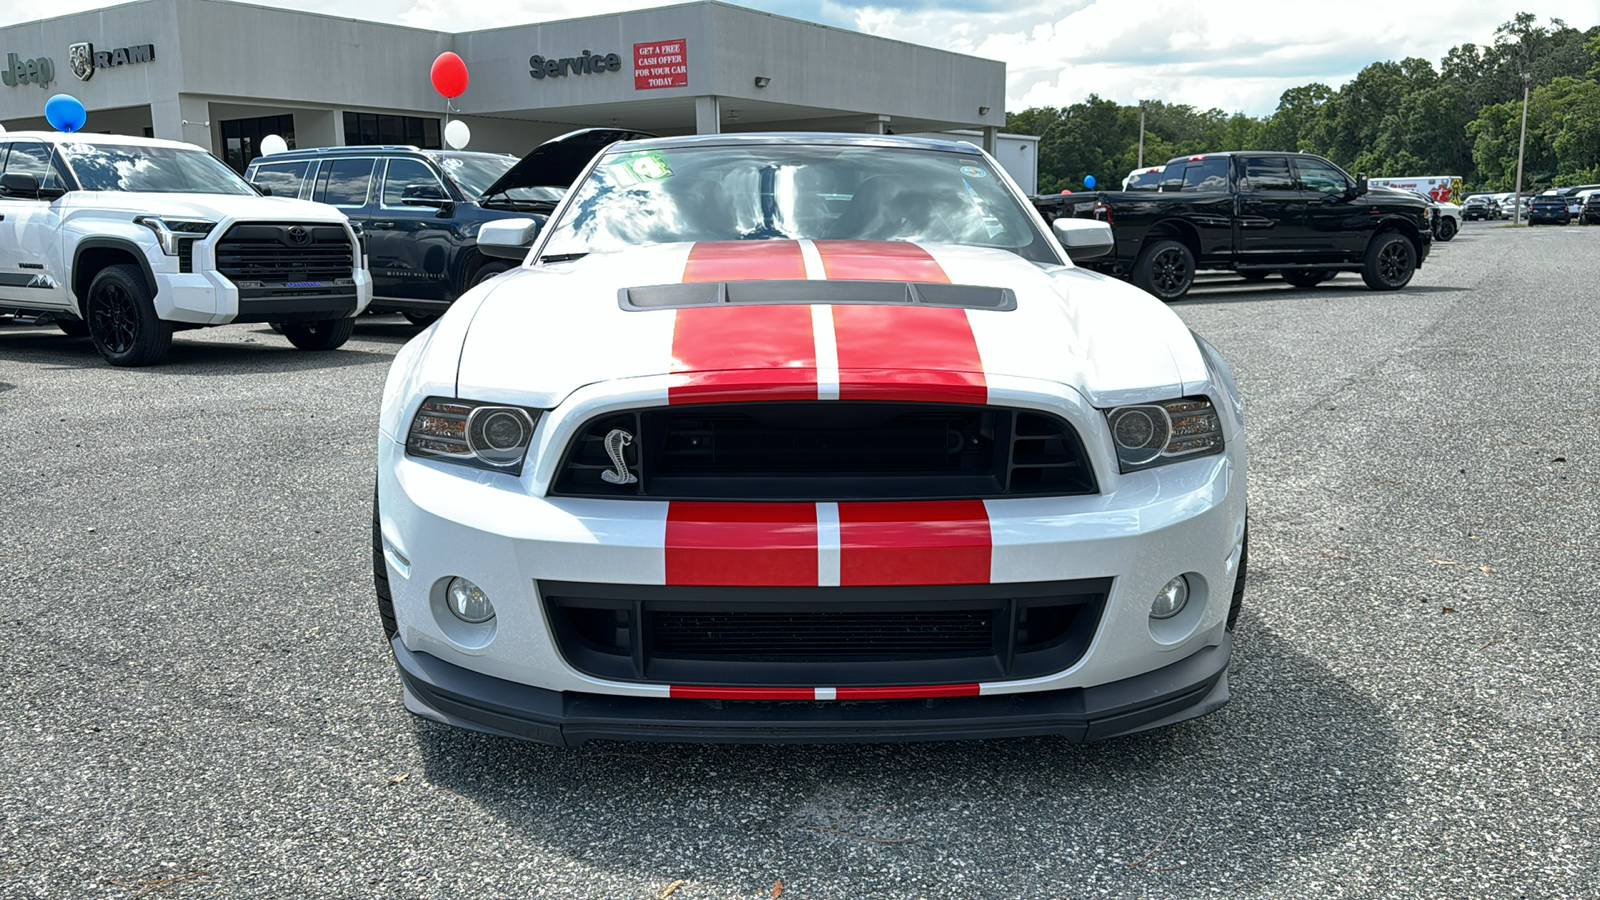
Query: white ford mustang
point(808, 438)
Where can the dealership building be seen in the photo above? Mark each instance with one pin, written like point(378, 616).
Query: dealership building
point(224, 75)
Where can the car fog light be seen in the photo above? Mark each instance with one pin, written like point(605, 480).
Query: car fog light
point(1170, 600)
point(468, 602)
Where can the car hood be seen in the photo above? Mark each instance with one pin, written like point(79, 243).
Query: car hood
point(559, 161)
point(540, 333)
point(205, 206)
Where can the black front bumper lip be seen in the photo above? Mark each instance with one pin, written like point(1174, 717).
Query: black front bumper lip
point(435, 689)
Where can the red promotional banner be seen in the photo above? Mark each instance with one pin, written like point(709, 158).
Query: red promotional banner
point(662, 64)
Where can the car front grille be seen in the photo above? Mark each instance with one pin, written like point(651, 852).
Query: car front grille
point(287, 259)
point(828, 636)
point(826, 451)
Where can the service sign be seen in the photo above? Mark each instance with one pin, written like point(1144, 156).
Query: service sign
point(663, 64)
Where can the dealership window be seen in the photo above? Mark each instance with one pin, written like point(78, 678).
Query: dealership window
point(241, 138)
point(368, 129)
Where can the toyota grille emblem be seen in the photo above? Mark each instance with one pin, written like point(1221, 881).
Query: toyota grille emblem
point(298, 236)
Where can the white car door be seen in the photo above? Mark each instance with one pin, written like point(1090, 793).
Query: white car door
point(32, 272)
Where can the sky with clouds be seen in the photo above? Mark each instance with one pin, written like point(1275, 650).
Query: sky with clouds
point(1238, 55)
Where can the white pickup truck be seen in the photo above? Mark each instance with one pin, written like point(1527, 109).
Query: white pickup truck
point(128, 239)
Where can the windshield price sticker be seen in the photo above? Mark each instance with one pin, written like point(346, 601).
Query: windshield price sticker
point(974, 172)
point(452, 163)
point(637, 168)
point(78, 149)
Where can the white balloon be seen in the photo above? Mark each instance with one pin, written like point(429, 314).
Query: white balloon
point(457, 134)
point(273, 144)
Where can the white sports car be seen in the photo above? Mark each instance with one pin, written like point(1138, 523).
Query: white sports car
point(807, 438)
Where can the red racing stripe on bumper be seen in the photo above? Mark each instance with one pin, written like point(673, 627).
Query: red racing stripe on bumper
point(742, 544)
point(914, 542)
point(737, 693)
point(906, 693)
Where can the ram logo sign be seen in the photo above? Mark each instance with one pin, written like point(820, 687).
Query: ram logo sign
point(83, 59)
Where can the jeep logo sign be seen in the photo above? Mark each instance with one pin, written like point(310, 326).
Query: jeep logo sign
point(39, 71)
point(84, 59)
point(587, 64)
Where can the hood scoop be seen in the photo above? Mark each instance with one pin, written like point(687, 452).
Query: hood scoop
point(830, 293)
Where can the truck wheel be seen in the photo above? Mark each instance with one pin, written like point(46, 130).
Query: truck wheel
point(328, 334)
point(122, 318)
point(1307, 277)
point(72, 327)
point(488, 270)
point(420, 318)
point(1237, 602)
point(1165, 269)
point(1447, 229)
point(1390, 262)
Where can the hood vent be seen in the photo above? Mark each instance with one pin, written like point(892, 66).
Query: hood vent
point(834, 293)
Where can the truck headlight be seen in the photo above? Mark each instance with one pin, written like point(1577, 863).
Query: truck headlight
point(170, 231)
point(483, 435)
point(1154, 434)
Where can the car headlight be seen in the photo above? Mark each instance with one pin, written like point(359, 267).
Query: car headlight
point(171, 231)
point(1154, 434)
point(482, 435)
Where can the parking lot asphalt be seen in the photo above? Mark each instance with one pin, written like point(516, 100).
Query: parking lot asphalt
point(195, 699)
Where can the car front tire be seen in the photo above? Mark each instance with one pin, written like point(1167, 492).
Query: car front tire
point(1390, 262)
point(122, 319)
point(488, 270)
point(328, 334)
point(1236, 602)
point(1165, 269)
point(1447, 229)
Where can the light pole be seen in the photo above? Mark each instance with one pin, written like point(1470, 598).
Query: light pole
point(1522, 143)
point(1141, 132)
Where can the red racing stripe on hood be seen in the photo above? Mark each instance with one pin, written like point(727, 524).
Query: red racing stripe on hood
point(914, 542)
point(917, 353)
point(743, 544)
point(735, 353)
point(878, 261)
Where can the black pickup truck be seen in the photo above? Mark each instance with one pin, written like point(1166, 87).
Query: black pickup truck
point(1254, 213)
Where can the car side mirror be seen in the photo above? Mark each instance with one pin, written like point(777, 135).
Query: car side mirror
point(1083, 239)
point(19, 185)
point(508, 238)
point(262, 189)
point(1361, 184)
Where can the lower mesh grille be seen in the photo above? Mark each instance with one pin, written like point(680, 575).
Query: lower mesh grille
point(829, 634)
point(823, 636)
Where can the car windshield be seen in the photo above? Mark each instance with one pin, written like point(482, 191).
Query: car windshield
point(474, 174)
point(148, 170)
point(794, 191)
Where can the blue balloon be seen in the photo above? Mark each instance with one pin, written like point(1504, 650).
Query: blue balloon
point(1088, 181)
point(65, 113)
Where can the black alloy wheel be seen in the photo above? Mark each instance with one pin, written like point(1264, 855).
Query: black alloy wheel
point(1446, 229)
point(122, 318)
point(1307, 277)
point(1165, 269)
point(1390, 262)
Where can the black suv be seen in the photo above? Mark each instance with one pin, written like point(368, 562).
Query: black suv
point(421, 209)
point(1480, 206)
point(1549, 208)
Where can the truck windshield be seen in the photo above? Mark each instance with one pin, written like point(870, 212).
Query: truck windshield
point(794, 191)
point(475, 173)
point(149, 170)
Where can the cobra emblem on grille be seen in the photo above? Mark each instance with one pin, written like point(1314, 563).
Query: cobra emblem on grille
point(298, 236)
point(615, 440)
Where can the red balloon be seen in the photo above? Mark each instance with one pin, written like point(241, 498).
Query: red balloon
point(449, 75)
point(1066, 192)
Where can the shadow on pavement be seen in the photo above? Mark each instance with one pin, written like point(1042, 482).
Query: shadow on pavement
point(1293, 765)
point(53, 350)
